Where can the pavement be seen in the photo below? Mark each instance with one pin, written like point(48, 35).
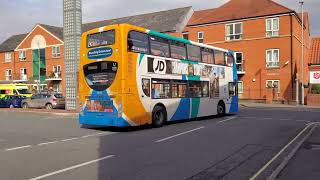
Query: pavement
point(306, 162)
point(264, 105)
point(44, 111)
point(36, 146)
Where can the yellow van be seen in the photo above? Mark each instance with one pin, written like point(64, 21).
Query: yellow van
point(14, 89)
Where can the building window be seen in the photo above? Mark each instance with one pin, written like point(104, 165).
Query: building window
point(239, 61)
point(56, 51)
point(272, 58)
point(23, 74)
point(273, 84)
point(234, 31)
point(240, 87)
point(22, 55)
point(57, 71)
point(8, 57)
point(8, 74)
point(272, 27)
point(200, 37)
point(185, 35)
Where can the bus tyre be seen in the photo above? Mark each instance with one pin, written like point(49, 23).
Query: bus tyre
point(48, 106)
point(159, 116)
point(221, 109)
point(25, 106)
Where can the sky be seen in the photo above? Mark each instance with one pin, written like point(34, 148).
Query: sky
point(20, 16)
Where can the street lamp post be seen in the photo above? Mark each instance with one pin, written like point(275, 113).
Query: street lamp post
point(302, 52)
point(39, 77)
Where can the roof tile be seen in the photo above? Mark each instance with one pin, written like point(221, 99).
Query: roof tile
point(238, 9)
point(314, 56)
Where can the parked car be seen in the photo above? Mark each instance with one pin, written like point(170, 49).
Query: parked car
point(48, 101)
point(11, 101)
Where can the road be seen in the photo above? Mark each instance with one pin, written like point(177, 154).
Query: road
point(52, 146)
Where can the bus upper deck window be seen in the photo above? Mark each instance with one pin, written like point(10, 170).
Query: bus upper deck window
point(138, 42)
point(219, 58)
point(101, 39)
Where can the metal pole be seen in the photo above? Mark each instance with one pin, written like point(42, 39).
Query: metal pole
point(302, 52)
point(39, 68)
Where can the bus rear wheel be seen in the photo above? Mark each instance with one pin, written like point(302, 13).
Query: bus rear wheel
point(159, 116)
point(221, 109)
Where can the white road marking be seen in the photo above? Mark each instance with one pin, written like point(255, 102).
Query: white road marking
point(90, 135)
point(279, 153)
point(70, 139)
point(229, 119)
point(71, 168)
point(46, 143)
point(64, 140)
point(16, 148)
point(170, 137)
point(285, 119)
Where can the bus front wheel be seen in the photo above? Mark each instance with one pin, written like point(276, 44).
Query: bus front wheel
point(221, 109)
point(159, 116)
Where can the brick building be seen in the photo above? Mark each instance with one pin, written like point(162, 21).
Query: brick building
point(267, 39)
point(265, 35)
point(26, 58)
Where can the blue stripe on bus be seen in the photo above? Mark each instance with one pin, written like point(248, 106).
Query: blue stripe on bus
point(102, 118)
point(183, 110)
point(141, 56)
point(234, 104)
point(167, 36)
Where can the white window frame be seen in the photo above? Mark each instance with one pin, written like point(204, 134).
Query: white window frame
point(22, 55)
point(242, 60)
point(234, 34)
point(272, 84)
point(272, 32)
point(23, 71)
point(7, 57)
point(8, 75)
point(55, 53)
point(273, 63)
point(200, 36)
point(56, 67)
point(242, 85)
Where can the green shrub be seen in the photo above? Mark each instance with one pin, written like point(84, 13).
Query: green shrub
point(315, 89)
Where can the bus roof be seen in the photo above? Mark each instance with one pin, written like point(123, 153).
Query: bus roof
point(166, 36)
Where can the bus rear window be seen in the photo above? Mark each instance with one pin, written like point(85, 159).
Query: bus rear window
point(101, 39)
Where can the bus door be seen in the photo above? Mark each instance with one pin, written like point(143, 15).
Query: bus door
point(146, 91)
point(233, 96)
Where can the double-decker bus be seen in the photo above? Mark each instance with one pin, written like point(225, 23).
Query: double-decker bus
point(131, 76)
